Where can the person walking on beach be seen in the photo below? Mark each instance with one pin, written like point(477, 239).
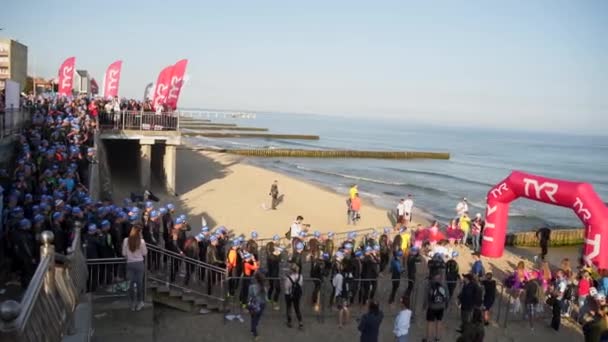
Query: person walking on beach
point(408, 207)
point(489, 296)
point(403, 321)
point(354, 190)
point(134, 249)
point(274, 194)
point(256, 294)
point(341, 285)
point(465, 225)
point(543, 235)
point(369, 325)
point(395, 275)
point(355, 209)
point(293, 294)
point(476, 229)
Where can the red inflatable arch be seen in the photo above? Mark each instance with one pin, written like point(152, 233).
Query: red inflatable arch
point(579, 196)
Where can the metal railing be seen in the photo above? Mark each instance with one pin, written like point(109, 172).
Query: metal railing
point(199, 278)
point(139, 120)
point(45, 312)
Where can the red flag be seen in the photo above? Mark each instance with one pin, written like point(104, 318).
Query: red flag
point(175, 85)
point(66, 77)
point(112, 80)
point(161, 89)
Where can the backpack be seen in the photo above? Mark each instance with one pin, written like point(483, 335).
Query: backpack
point(296, 289)
point(437, 297)
point(253, 305)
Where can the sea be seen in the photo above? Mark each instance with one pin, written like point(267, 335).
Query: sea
point(479, 159)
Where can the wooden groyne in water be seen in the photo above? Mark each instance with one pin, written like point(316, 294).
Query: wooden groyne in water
point(201, 129)
point(188, 124)
point(251, 135)
point(559, 237)
point(268, 153)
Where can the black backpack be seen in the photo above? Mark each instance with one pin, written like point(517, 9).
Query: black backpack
point(437, 297)
point(296, 289)
point(451, 270)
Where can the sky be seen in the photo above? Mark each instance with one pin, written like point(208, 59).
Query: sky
point(538, 65)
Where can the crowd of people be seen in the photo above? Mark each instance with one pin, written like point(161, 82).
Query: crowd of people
point(47, 191)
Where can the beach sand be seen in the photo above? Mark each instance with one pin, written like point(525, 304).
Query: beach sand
point(228, 192)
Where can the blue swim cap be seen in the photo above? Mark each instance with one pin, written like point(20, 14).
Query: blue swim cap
point(149, 204)
point(92, 227)
point(387, 230)
point(105, 223)
point(254, 235)
point(303, 234)
point(276, 237)
point(376, 248)
point(56, 215)
point(368, 249)
point(205, 230)
point(246, 256)
point(348, 245)
point(358, 253)
point(399, 253)
point(213, 238)
point(170, 206)
point(317, 234)
point(183, 217)
point(38, 218)
point(180, 220)
point(299, 246)
point(25, 224)
point(325, 256)
point(454, 254)
point(162, 210)
point(154, 214)
point(339, 255)
point(330, 234)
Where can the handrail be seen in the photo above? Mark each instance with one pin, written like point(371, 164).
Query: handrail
point(53, 294)
point(27, 301)
point(186, 258)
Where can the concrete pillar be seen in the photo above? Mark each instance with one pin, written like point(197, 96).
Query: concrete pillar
point(169, 167)
point(145, 158)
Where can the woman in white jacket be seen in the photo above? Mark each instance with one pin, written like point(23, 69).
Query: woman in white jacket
point(402, 321)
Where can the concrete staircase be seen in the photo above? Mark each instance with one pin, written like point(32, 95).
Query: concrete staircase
point(183, 299)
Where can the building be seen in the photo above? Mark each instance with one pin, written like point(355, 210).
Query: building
point(82, 83)
point(13, 62)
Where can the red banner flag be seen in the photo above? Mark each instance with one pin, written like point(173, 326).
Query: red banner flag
point(112, 80)
point(175, 85)
point(66, 77)
point(161, 89)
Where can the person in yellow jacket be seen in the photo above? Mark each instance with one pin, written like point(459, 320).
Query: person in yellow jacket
point(354, 190)
point(465, 226)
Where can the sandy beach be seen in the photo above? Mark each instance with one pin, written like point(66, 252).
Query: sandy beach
point(228, 192)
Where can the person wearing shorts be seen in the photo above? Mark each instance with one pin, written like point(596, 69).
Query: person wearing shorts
point(435, 303)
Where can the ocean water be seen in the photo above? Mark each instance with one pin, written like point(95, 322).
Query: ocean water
point(480, 158)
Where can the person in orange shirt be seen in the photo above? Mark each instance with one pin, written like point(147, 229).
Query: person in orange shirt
point(250, 265)
point(232, 270)
point(355, 207)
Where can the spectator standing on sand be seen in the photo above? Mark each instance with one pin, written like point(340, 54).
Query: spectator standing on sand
point(465, 225)
point(402, 321)
point(408, 208)
point(469, 298)
point(476, 230)
point(274, 194)
point(369, 325)
point(461, 208)
point(400, 214)
point(341, 283)
point(543, 235)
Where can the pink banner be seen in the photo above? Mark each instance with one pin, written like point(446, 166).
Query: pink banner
point(112, 80)
point(175, 85)
point(161, 89)
point(580, 197)
point(66, 77)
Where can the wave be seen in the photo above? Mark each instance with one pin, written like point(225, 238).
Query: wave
point(343, 175)
point(441, 175)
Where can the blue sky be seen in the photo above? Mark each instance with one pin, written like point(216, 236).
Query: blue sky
point(501, 64)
